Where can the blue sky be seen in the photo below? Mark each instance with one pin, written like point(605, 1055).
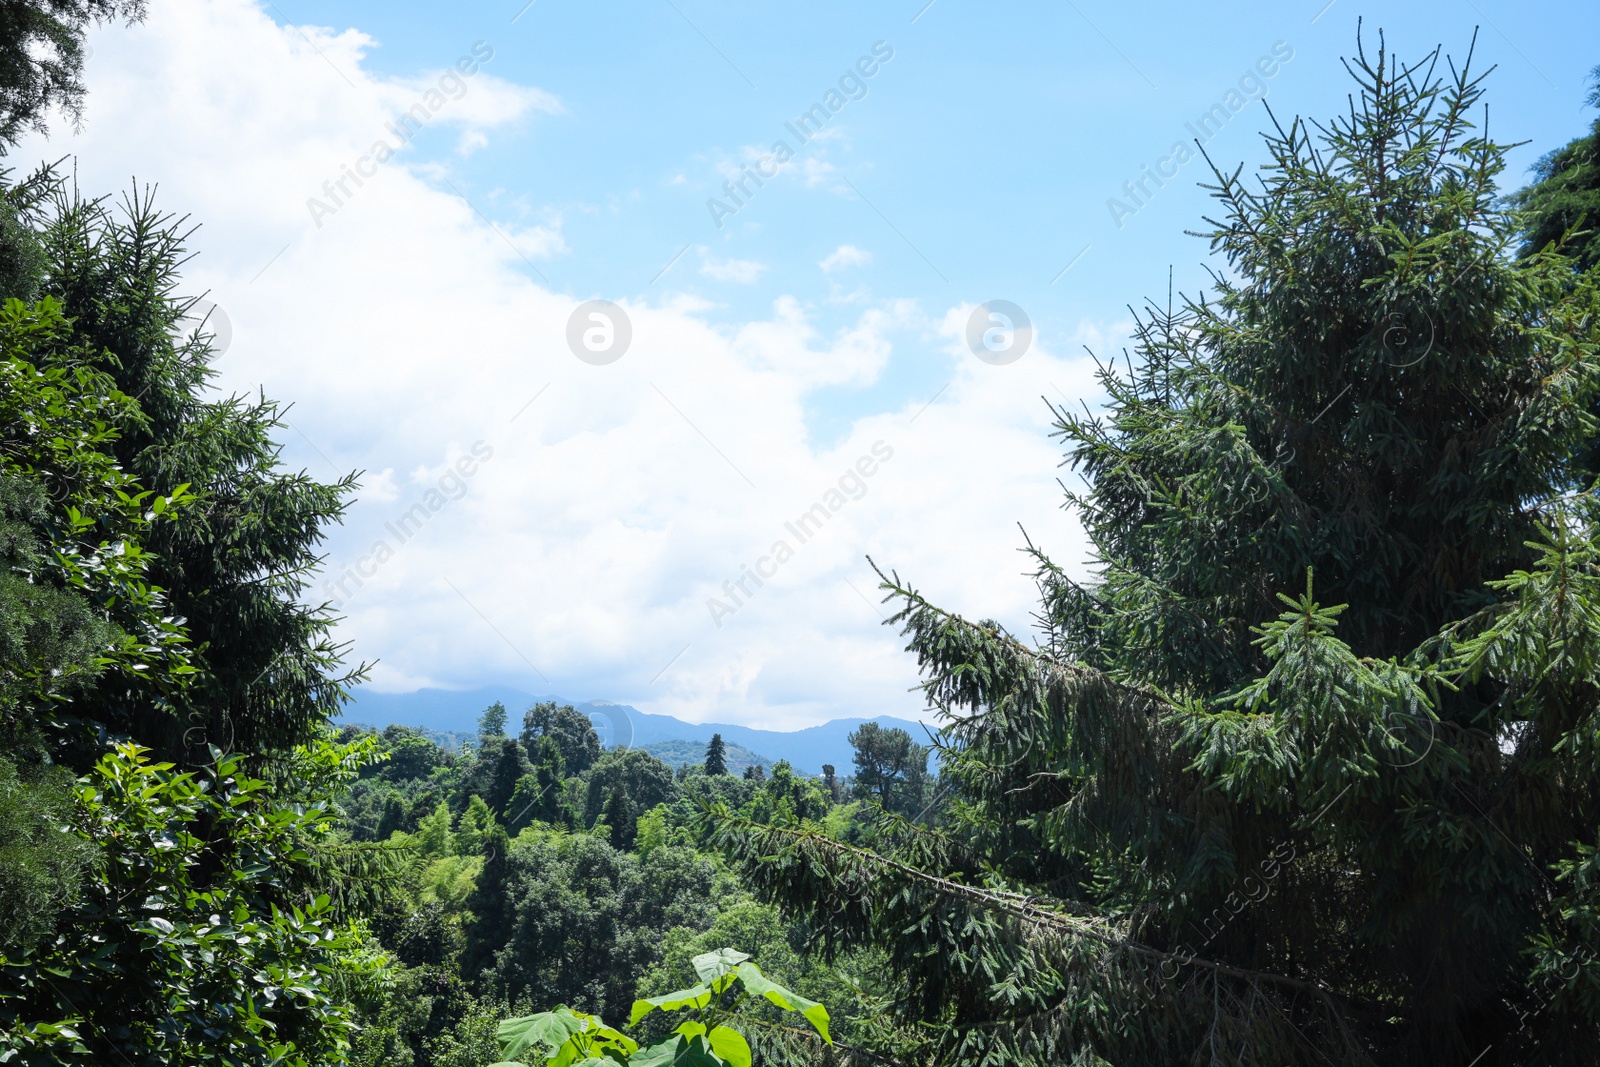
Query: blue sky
point(977, 165)
point(428, 315)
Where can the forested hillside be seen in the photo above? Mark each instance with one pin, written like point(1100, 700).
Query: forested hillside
point(1309, 773)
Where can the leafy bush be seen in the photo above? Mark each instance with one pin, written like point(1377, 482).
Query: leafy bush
point(199, 945)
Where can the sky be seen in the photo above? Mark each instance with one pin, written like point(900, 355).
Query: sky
point(605, 299)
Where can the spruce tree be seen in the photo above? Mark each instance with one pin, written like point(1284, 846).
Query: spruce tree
point(716, 756)
point(236, 564)
point(1307, 774)
point(1562, 208)
point(1565, 197)
point(620, 820)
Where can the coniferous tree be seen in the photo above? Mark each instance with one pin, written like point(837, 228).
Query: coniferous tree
point(1565, 195)
point(234, 565)
point(41, 57)
point(1307, 775)
point(619, 816)
point(393, 817)
point(1562, 208)
point(716, 756)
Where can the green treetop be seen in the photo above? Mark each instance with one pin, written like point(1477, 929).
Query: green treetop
point(716, 756)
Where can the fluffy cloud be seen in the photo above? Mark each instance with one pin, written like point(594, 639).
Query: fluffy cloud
point(588, 516)
point(743, 271)
point(844, 256)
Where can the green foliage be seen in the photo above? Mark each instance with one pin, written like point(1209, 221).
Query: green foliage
point(492, 723)
point(198, 944)
point(76, 604)
point(471, 1042)
point(433, 838)
point(571, 730)
point(727, 980)
point(411, 754)
point(638, 777)
point(682, 755)
point(619, 820)
point(1307, 775)
point(562, 1037)
point(43, 865)
point(505, 764)
point(1563, 204)
point(716, 756)
point(472, 828)
point(236, 562)
point(41, 57)
point(891, 768)
point(650, 831)
point(542, 795)
point(575, 919)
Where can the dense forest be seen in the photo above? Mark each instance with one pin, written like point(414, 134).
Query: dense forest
point(1309, 773)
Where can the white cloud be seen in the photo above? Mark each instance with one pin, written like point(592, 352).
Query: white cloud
point(743, 271)
point(615, 500)
point(845, 256)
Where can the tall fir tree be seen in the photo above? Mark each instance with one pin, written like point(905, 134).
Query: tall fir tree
point(235, 565)
point(1308, 774)
point(716, 756)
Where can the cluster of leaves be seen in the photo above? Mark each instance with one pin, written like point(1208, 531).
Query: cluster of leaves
point(77, 605)
point(244, 549)
point(728, 979)
point(200, 941)
point(1204, 820)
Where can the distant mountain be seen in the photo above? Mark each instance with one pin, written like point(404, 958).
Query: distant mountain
point(618, 724)
point(676, 753)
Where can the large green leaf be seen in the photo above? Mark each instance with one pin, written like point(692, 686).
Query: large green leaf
point(716, 968)
point(760, 985)
point(693, 997)
point(676, 1051)
point(543, 1033)
point(730, 1046)
point(560, 1038)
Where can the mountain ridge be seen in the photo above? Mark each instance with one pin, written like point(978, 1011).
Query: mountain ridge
point(458, 709)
